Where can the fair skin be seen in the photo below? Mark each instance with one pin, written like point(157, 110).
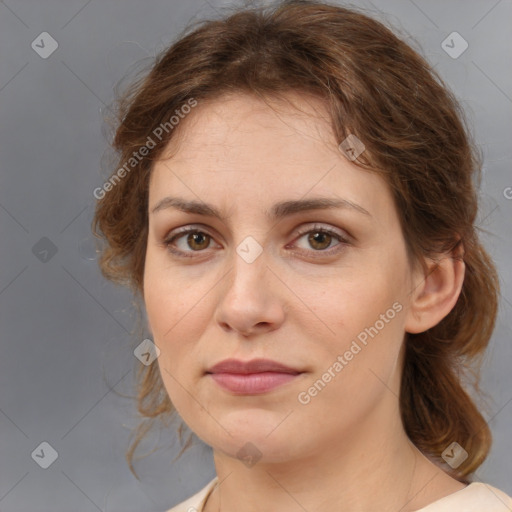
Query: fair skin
point(302, 302)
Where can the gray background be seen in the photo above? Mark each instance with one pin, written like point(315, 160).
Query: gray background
point(66, 348)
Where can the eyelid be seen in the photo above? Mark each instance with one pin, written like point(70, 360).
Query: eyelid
point(342, 237)
point(176, 233)
point(316, 226)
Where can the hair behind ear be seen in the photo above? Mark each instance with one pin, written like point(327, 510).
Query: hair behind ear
point(436, 409)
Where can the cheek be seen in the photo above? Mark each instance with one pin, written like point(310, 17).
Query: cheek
point(364, 312)
point(171, 295)
point(350, 304)
point(357, 366)
point(175, 314)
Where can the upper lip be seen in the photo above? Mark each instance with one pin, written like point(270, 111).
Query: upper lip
point(252, 366)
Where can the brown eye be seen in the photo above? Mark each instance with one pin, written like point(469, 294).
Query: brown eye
point(198, 240)
point(188, 241)
point(319, 240)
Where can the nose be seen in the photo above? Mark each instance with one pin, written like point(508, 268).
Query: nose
point(250, 300)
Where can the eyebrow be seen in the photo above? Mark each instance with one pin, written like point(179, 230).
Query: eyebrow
point(278, 210)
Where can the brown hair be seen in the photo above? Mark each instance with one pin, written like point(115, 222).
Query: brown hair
point(380, 89)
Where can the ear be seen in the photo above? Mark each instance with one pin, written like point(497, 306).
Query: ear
point(436, 290)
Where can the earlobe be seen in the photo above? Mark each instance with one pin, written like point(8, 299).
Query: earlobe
point(436, 291)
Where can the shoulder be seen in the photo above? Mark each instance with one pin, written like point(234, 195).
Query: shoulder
point(195, 503)
point(476, 497)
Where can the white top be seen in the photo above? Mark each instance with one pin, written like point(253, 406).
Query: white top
point(475, 497)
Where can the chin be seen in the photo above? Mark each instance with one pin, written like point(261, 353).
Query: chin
point(250, 451)
point(262, 441)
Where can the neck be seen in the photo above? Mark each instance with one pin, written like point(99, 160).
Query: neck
point(376, 467)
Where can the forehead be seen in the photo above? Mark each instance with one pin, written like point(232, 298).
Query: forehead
point(227, 124)
point(241, 150)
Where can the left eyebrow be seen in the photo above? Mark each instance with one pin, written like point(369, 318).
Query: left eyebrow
point(278, 210)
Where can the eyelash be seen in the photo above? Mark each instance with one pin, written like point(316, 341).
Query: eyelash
point(315, 229)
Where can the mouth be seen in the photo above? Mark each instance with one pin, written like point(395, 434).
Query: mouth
point(252, 377)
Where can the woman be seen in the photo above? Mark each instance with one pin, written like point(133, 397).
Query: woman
point(295, 205)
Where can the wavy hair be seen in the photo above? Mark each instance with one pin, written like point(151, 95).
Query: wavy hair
point(377, 87)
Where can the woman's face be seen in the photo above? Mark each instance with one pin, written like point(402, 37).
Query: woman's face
point(323, 291)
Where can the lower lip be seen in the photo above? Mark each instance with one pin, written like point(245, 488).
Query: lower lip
point(252, 383)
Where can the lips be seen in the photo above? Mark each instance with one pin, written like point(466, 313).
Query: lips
point(251, 377)
point(252, 366)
